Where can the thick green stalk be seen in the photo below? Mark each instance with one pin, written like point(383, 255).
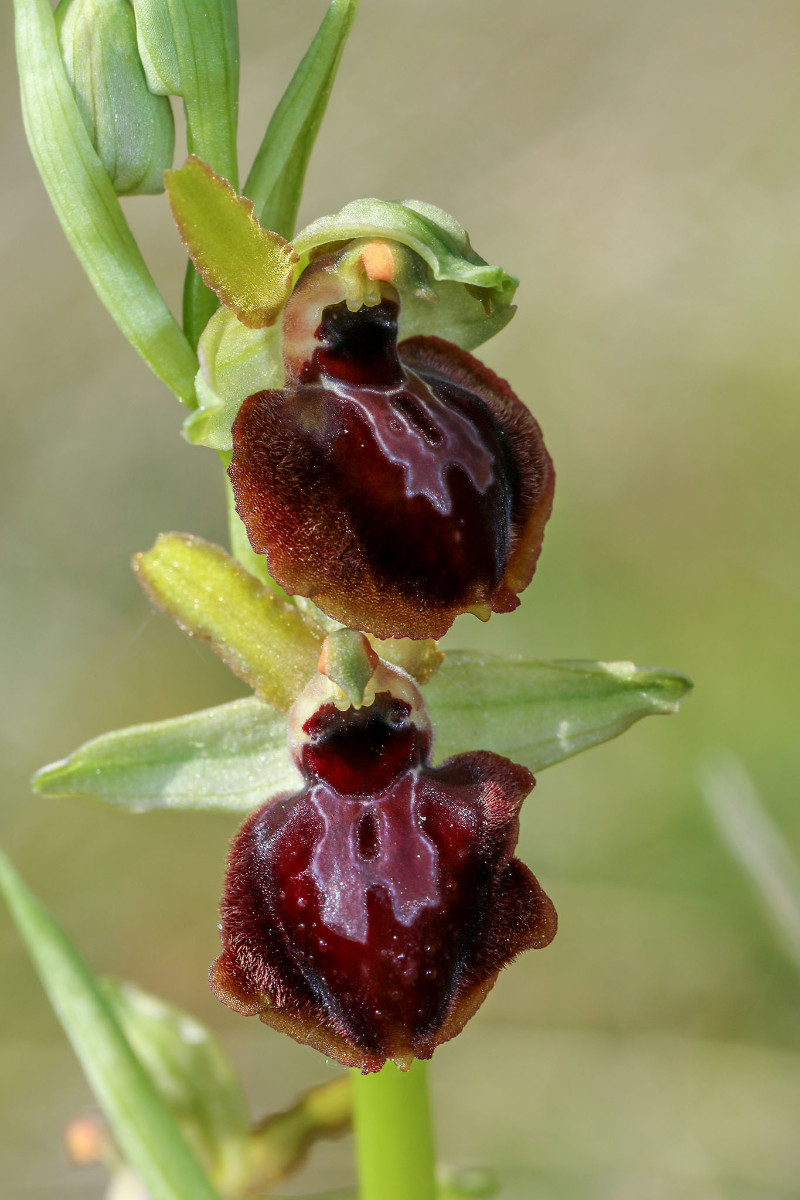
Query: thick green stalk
point(394, 1137)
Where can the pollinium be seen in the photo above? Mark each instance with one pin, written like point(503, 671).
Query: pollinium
point(369, 913)
point(395, 484)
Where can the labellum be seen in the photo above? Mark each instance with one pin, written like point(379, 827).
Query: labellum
point(369, 914)
point(396, 485)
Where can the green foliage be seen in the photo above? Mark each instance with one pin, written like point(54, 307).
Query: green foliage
point(86, 204)
point(131, 129)
point(275, 182)
point(249, 268)
point(263, 639)
point(451, 293)
point(193, 1075)
point(140, 1121)
point(538, 712)
point(230, 758)
point(191, 50)
point(234, 757)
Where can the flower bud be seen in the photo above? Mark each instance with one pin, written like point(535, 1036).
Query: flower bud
point(396, 485)
point(131, 129)
point(369, 914)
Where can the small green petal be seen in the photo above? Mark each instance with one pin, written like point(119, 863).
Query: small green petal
point(231, 758)
point(537, 712)
point(249, 268)
point(264, 640)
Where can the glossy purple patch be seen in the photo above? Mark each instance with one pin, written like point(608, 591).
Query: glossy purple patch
point(396, 485)
point(371, 921)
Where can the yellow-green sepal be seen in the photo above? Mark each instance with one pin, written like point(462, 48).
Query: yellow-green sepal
point(263, 639)
point(446, 288)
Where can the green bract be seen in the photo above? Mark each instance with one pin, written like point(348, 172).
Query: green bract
point(275, 182)
point(235, 756)
point(86, 204)
point(190, 48)
point(131, 129)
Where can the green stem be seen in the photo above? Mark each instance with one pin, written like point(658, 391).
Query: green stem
point(394, 1138)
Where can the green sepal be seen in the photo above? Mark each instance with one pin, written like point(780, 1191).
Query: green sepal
point(231, 758)
point(131, 129)
point(446, 288)
point(263, 639)
point(541, 712)
point(234, 757)
point(86, 204)
point(193, 1075)
point(235, 362)
point(147, 1134)
point(275, 182)
point(250, 269)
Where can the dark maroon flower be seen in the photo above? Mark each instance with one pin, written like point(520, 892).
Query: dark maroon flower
point(370, 913)
point(395, 485)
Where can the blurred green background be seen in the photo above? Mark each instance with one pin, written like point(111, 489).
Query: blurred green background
point(637, 164)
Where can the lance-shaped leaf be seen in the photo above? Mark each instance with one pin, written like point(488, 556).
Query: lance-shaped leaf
point(142, 1125)
point(275, 182)
point(87, 206)
point(538, 712)
point(249, 268)
point(446, 288)
point(231, 759)
point(264, 640)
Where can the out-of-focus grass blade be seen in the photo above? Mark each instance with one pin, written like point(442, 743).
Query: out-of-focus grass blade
point(87, 206)
point(756, 843)
point(540, 712)
point(143, 1126)
point(230, 759)
point(275, 182)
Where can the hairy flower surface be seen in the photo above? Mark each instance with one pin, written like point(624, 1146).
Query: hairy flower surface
point(370, 913)
point(396, 485)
